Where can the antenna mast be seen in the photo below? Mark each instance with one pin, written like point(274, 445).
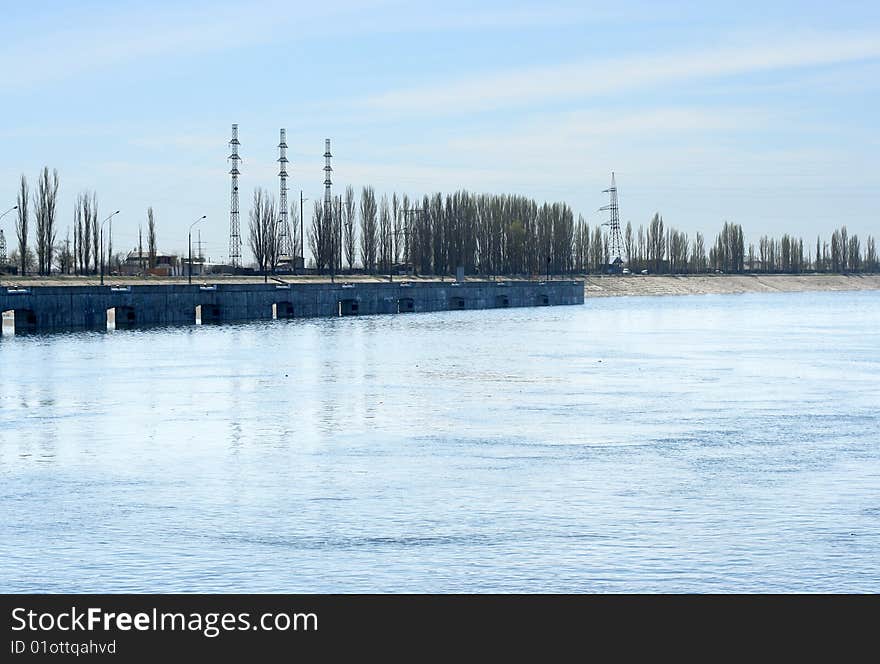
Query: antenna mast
point(234, 223)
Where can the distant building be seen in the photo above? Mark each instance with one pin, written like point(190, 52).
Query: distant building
point(614, 267)
point(167, 265)
point(290, 263)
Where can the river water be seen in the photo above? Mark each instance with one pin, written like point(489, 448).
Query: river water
point(709, 443)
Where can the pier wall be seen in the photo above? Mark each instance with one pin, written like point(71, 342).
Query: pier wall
point(47, 308)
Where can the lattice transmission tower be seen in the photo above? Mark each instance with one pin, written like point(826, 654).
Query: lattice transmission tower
point(615, 240)
point(234, 221)
point(284, 231)
point(327, 182)
point(2, 248)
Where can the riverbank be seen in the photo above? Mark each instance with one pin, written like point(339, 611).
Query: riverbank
point(594, 285)
point(724, 284)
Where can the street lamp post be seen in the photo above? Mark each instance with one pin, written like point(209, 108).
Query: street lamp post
point(395, 242)
point(102, 244)
point(302, 238)
point(14, 207)
point(274, 253)
point(407, 225)
point(191, 246)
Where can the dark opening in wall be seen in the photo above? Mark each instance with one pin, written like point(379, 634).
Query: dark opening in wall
point(18, 321)
point(282, 310)
point(456, 303)
point(348, 307)
point(208, 313)
point(119, 318)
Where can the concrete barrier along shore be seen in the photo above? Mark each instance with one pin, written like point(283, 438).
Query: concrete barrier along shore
point(47, 308)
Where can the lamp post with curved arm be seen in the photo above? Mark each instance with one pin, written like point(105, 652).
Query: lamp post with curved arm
point(14, 207)
point(202, 218)
point(302, 238)
point(102, 243)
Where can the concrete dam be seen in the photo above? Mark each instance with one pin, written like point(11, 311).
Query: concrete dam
point(48, 308)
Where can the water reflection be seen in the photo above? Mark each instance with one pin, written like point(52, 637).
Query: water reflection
point(631, 444)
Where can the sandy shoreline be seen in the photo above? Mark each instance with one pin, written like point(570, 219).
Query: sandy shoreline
point(722, 284)
point(594, 285)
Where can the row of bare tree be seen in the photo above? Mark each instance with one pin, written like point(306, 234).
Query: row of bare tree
point(44, 200)
point(502, 234)
point(84, 255)
point(484, 234)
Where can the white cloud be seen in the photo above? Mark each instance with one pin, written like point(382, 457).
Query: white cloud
point(592, 78)
point(112, 36)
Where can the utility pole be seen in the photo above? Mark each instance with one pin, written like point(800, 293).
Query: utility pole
point(302, 238)
point(102, 244)
point(190, 237)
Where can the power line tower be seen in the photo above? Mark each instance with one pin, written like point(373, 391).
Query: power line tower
point(284, 231)
point(328, 206)
point(2, 249)
point(234, 222)
point(327, 182)
point(615, 239)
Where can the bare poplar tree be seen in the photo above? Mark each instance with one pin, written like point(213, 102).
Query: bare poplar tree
point(45, 198)
point(264, 237)
point(151, 238)
point(65, 257)
point(318, 237)
point(368, 229)
point(596, 249)
point(404, 229)
point(698, 254)
point(77, 235)
point(349, 230)
point(95, 231)
point(83, 233)
point(336, 234)
point(656, 245)
point(384, 234)
point(397, 229)
point(294, 231)
point(629, 247)
point(21, 223)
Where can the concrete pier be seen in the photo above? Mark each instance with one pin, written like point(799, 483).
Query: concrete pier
point(46, 308)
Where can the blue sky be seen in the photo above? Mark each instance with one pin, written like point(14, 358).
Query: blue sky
point(764, 114)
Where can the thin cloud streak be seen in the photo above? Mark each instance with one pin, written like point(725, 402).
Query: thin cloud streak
point(590, 78)
point(99, 42)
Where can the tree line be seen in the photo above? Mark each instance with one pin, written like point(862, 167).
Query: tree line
point(514, 235)
point(486, 234)
point(80, 254)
